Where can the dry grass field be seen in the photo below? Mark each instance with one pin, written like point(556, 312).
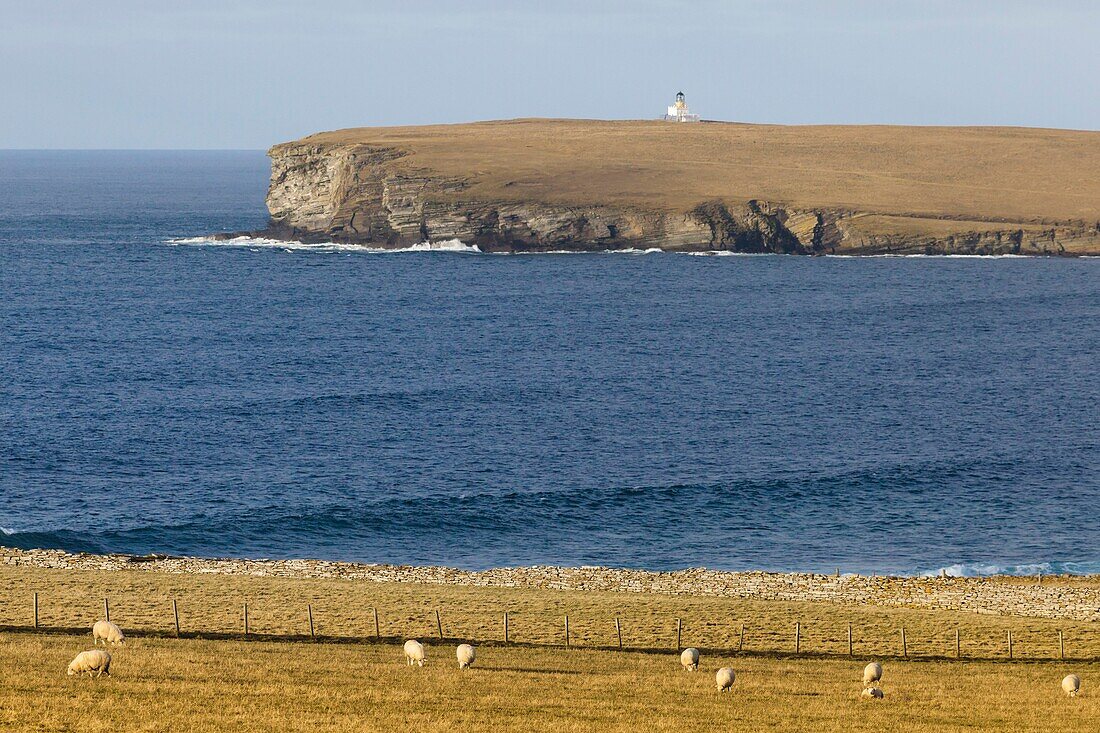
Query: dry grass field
point(213, 605)
point(980, 173)
point(348, 680)
point(202, 685)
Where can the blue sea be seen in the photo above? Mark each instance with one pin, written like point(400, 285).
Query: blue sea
point(160, 392)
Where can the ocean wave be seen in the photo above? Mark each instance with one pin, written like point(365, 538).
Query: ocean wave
point(725, 525)
point(456, 245)
point(728, 253)
point(987, 569)
point(449, 245)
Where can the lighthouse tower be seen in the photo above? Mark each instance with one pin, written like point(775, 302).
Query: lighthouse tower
point(678, 112)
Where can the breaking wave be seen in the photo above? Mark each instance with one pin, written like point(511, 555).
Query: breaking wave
point(456, 245)
point(656, 527)
point(982, 570)
point(449, 245)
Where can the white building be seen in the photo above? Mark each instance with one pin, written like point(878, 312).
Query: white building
point(678, 112)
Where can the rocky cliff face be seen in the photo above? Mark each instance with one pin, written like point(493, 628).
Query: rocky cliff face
point(371, 195)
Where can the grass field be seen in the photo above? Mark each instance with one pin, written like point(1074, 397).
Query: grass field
point(347, 680)
point(214, 605)
point(196, 685)
point(980, 173)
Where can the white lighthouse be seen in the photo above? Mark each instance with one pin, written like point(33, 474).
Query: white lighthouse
point(678, 112)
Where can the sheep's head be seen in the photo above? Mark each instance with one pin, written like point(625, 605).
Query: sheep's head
point(71, 671)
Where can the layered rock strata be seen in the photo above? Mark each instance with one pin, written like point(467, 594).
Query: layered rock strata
point(372, 195)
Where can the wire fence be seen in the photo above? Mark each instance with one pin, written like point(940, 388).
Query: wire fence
point(271, 619)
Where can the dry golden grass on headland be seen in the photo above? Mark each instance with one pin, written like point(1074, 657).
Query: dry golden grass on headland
point(238, 687)
point(915, 174)
point(213, 604)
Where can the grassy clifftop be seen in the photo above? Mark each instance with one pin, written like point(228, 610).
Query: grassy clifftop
point(1019, 174)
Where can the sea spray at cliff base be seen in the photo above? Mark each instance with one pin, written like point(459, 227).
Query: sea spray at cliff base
point(661, 411)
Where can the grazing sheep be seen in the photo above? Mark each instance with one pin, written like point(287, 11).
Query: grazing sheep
point(872, 673)
point(1071, 685)
point(872, 693)
point(414, 653)
point(690, 659)
point(108, 633)
point(96, 660)
point(724, 679)
point(466, 656)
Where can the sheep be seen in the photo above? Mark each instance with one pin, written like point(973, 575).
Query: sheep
point(1071, 685)
point(872, 673)
point(96, 660)
point(108, 633)
point(724, 678)
point(872, 693)
point(414, 653)
point(466, 656)
point(689, 658)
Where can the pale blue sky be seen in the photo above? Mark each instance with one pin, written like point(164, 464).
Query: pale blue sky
point(223, 74)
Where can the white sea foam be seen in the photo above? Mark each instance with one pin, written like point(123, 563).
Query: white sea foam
point(976, 570)
point(455, 245)
point(727, 253)
point(933, 257)
point(449, 245)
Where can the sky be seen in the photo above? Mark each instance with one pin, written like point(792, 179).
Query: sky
point(248, 74)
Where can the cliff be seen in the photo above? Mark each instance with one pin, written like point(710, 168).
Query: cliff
point(538, 185)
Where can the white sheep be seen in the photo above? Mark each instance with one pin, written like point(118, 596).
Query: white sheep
point(872, 674)
point(1071, 685)
point(95, 660)
point(689, 658)
point(872, 693)
point(724, 678)
point(414, 653)
point(108, 633)
point(466, 656)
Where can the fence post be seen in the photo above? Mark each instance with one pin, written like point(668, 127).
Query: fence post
point(1010, 643)
point(1061, 645)
point(36, 611)
point(106, 611)
point(567, 629)
point(246, 619)
point(619, 633)
point(505, 627)
point(176, 617)
point(438, 624)
point(797, 637)
point(958, 646)
point(309, 610)
point(904, 647)
point(741, 640)
point(377, 635)
point(679, 626)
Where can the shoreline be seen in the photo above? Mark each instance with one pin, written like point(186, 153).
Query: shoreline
point(276, 237)
point(1051, 597)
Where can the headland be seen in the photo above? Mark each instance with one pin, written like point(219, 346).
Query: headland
point(537, 185)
